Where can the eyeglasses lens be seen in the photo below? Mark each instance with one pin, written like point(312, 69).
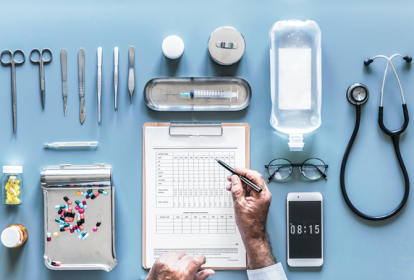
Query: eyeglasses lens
point(280, 169)
point(313, 169)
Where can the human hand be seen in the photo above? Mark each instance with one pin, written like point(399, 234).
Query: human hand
point(179, 266)
point(251, 209)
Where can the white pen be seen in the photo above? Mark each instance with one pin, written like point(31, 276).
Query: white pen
point(116, 75)
point(99, 85)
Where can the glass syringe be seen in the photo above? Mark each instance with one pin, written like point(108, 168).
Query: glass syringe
point(87, 144)
point(209, 94)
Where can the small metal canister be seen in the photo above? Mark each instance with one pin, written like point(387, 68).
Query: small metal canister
point(226, 45)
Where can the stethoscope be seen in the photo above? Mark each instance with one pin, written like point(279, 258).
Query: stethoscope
point(358, 94)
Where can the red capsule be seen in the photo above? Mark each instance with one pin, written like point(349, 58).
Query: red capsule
point(67, 220)
point(67, 200)
point(71, 230)
point(87, 196)
point(96, 194)
point(81, 227)
point(84, 202)
point(58, 263)
point(70, 210)
point(49, 239)
point(82, 216)
point(70, 220)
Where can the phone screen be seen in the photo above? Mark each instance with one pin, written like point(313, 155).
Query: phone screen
point(305, 229)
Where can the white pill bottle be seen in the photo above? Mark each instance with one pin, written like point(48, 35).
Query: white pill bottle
point(296, 79)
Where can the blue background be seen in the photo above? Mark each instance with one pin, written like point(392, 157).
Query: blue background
point(352, 31)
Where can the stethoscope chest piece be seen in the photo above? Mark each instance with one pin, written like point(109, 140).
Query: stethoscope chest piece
point(357, 94)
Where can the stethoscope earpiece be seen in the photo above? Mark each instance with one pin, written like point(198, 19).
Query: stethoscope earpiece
point(357, 94)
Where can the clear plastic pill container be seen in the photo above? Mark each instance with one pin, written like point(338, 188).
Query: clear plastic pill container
point(12, 184)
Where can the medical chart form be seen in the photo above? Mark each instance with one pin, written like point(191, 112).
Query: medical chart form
point(187, 206)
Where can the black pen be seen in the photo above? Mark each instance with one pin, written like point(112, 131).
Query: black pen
point(242, 178)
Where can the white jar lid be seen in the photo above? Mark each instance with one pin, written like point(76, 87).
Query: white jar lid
point(12, 169)
point(10, 237)
point(173, 47)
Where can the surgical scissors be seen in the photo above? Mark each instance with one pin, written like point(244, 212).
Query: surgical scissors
point(41, 63)
point(13, 63)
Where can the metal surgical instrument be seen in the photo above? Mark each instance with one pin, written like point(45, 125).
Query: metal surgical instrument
point(99, 83)
point(81, 64)
point(131, 78)
point(13, 63)
point(63, 62)
point(116, 76)
point(41, 63)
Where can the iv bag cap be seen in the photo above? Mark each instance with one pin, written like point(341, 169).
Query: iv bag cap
point(226, 45)
point(296, 142)
point(12, 169)
point(173, 47)
point(10, 237)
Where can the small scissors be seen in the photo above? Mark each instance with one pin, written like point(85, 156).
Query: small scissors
point(13, 63)
point(41, 63)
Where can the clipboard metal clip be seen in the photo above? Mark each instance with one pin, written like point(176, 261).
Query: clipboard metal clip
point(196, 129)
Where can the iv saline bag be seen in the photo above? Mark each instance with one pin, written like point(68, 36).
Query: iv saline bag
point(296, 79)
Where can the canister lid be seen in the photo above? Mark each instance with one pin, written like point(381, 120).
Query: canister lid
point(226, 45)
point(12, 169)
point(10, 237)
point(173, 47)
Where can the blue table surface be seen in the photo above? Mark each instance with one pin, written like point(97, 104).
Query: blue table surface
point(352, 31)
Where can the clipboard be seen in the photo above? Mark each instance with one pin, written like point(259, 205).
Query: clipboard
point(180, 130)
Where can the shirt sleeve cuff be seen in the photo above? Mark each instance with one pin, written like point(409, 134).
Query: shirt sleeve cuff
point(273, 272)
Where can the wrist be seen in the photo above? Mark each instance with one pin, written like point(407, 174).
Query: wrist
point(259, 252)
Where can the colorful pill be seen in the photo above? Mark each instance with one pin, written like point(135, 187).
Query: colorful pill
point(55, 234)
point(59, 206)
point(77, 202)
point(60, 211)
point(81, 193)
point(77, 207)
point(104, 192)
point(70, 219)
point(67, 220)
point(71, 229)
point(84, 233)
point(66, 207)
point(61, 226)
point(48, 237)
point(98, 223)
point(81, 211)
point(80, 236)
point(63, 213)
point(78, 193)
point(95, 229)
point(87, 196)
point(62, 218)
point(67, 200)
point(65, 229)
point(66, 224)
point(86, 236)
point(100, 190)
point(79, 216)
point(70, 210)
point(59, 221)
point(81, 227)
point(55, 263)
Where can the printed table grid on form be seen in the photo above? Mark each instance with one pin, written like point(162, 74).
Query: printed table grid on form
point(196, 223)
point(193, 179)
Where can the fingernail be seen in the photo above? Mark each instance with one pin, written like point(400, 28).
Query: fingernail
point(234, 179)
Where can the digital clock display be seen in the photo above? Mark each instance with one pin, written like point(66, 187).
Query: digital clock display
point(305, 229)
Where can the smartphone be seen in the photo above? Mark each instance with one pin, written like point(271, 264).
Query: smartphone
point(304, 229)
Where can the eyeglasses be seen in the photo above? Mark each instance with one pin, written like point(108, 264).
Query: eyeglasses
point(281, 169)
